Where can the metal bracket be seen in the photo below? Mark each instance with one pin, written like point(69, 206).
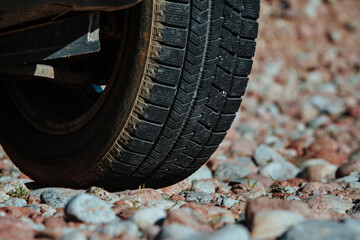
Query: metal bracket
point(69, 37)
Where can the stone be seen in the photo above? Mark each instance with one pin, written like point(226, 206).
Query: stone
point(264, 155)
point(228, 172)
point(326, 148)
point(228, 202)
point(316, 188)
point(273, 223)
point(320, 230)
point(17, 202)
point(318, 121)
point(62, 192)
point(3, 196)
point(103, 194)
point(75, 235)
point(146, 217)
point(354, 209)
point(198, 197)
point(355, 156)
point(13, 186)
point(53, 199)
point(12, 228)
point(265, 204)
point(187, 217)
point(165, 204)
point(326, 202)
point(347, 168)
point(35, 226)
point(311, 8)
point(203, 186)
point(176, 231)
point(208, 212)
point(280, 170)
point(177, 188)
point(203, 173)
point(353, 185)
point(317, 169)
point(230, 232)
point(89, 209)
point(245, 160)
point(353, 177)
point(117, 227)
point(289, 198)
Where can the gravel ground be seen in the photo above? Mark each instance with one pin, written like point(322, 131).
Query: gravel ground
point(289, 167)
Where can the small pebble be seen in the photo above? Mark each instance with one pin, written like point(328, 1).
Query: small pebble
point(17, 202)
point(228, 172)
point(320, 230)
point(53, 199)
point(264, 155)
point(89, 209)
point(202, 186)
point(198, 197)
point(146, 217)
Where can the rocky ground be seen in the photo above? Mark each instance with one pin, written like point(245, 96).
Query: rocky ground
point(288, 169)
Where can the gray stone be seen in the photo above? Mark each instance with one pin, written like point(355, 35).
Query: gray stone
point(230, 232)
point(289, 189)
point(35, 226)
point(320, 230)
point(334, 36)
point(245, 160)
point(179, 232)
point(89, 209)
point(146, 217)
point(62, 192)
point(328, 106)
point(74, 235)
point(17, 202)
point(228, 202)
point(203, 186)
point(53, 199)
point(273, 141)
point(280, 170)
point(352, 224)
point(355, 156)
point(203, 173)
point(353, 185)
point(264, 155)
point(289, 198)
point(353, 177)
point(229, 172)
point(311, 8)
point(118, 227)
point(318, 122)
point(198, 197)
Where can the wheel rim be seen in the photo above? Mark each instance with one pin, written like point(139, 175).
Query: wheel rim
point(57, 108)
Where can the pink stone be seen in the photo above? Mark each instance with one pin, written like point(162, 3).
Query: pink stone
point(326, 202)
point(176, 188)
point(11, 228)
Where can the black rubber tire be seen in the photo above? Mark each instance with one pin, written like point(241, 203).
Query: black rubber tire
point(186, 78)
